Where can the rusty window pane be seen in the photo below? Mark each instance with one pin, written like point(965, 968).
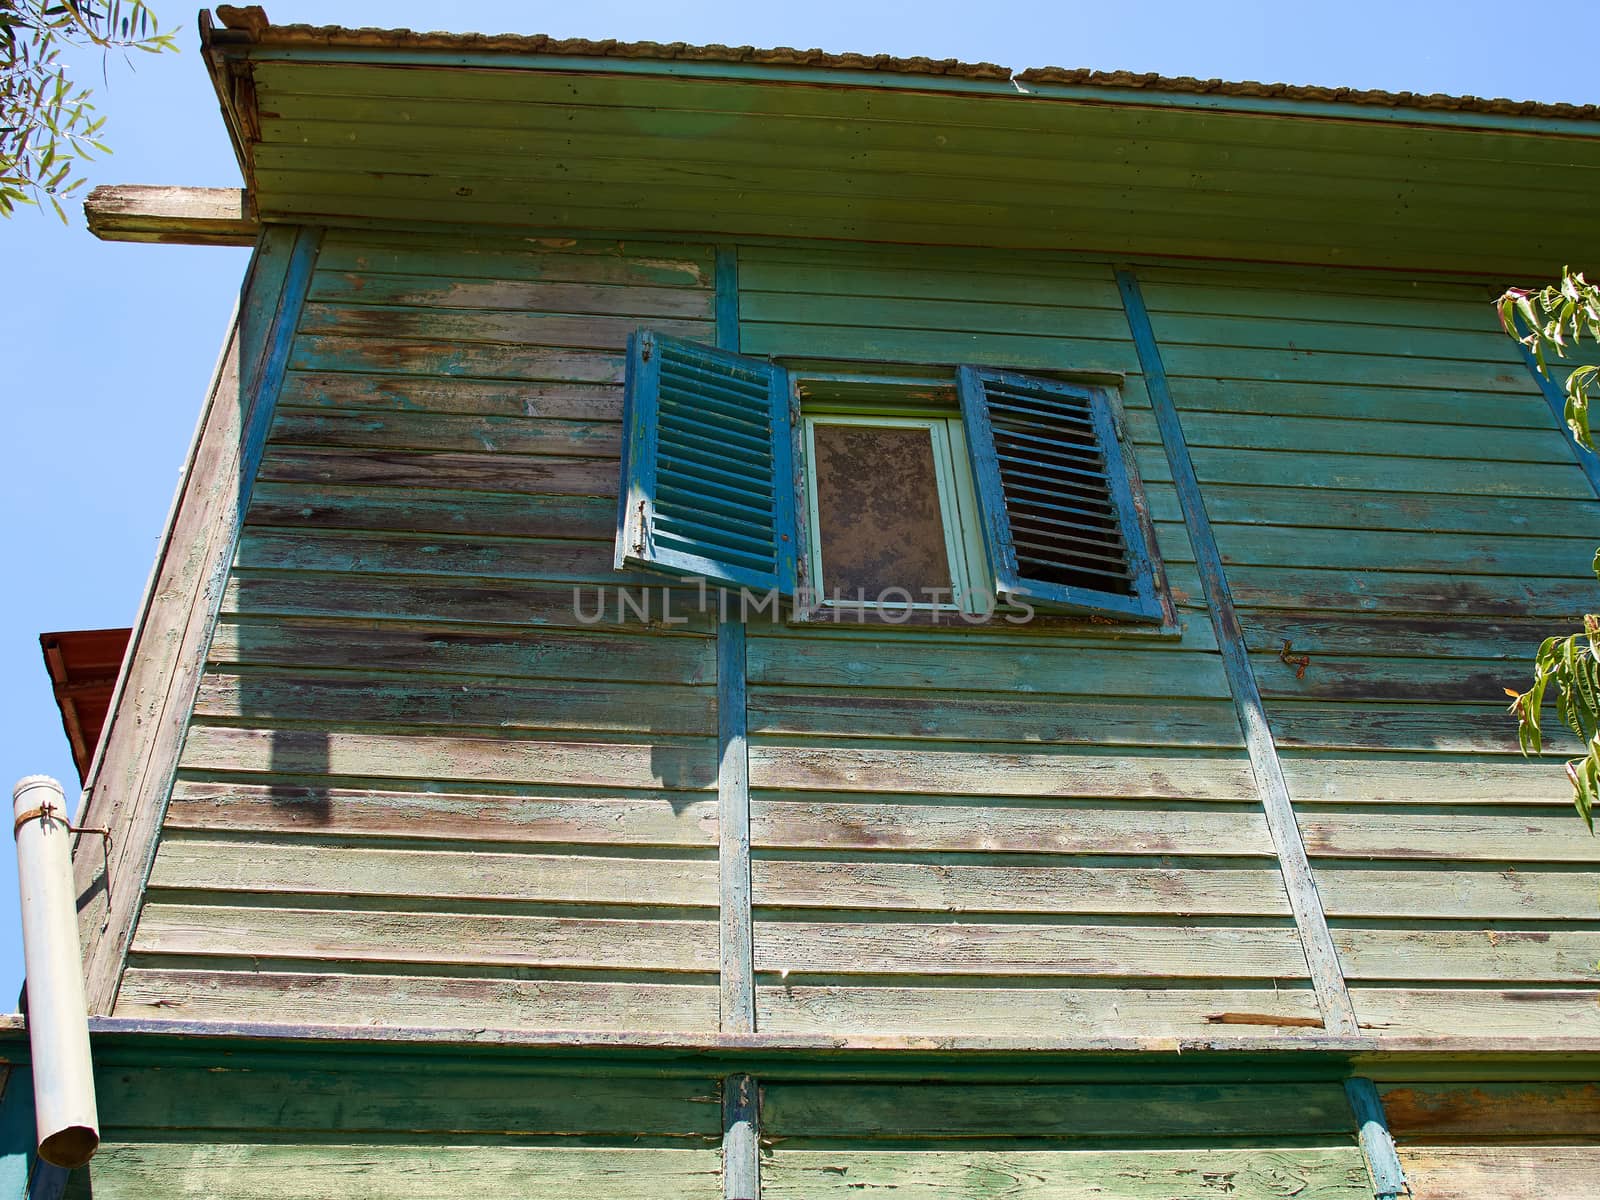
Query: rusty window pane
point(879, 521)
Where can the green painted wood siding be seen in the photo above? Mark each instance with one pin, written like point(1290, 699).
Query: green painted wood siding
point(416, 790)
point(963, 830)
point(1391, 495)
point(264, 1126)
point(1108, 1137)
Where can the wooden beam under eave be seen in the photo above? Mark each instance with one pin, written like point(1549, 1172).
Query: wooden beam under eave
point(179, 215)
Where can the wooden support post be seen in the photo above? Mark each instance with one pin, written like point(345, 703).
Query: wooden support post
point(733, 768)
point(185, 216)
point(1377, 1146)
point(741, 1138)
point(1322, 958)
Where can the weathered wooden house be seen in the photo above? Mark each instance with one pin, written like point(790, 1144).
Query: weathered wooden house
point(1120, 800)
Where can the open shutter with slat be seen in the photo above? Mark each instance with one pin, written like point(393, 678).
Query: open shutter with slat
point(1060, 519)
point(707, 486)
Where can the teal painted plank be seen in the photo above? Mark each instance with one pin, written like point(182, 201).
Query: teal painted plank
point(549, 654)
point(1077, 1113)
point(561, 401)
point(442, 510)
point(1357, 472)
point(438, 431)
point(1046, 670)
point(1310, 436)
point(559, 260)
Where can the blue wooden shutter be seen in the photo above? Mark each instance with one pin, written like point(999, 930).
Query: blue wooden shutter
point(1061, 520)
point(707, 482)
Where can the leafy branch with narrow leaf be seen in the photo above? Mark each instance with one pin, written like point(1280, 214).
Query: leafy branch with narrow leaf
point(48, 124)
point(1555, 320)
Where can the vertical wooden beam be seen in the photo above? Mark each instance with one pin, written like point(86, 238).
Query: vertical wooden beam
point(132, 775)
point(1556, 398)
point(733, 774)
point(1327, 976)
point(741, 1151)
point(1377, 1146)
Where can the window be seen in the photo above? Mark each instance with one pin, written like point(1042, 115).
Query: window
point(890, 514)
point(1025, 491)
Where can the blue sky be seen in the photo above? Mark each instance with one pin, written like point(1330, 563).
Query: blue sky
point(107, 348)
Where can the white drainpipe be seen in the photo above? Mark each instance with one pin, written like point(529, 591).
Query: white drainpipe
point(58, 1025)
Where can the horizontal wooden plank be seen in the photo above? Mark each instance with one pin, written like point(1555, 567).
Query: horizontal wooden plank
point(1251, 1173)
point(377, 354)
point(1505, 956)
point(557, 655)
point(1229, 333)
point(470, 397)
point(1162, 670)
point(1386, 680)
point(1057, 720)
point(1456, 893)
point(1401, 1012)
point(401, 554)
point(1382, 779)
point(1175, 292)
point(780, 883)
point(1124, 1010)
point(341, 698)
point(204, 864)
point(467, 326)
point(230, 1096)
point(685, 766)
point(478, 940)
point(525, 604)
point(547, 259)
point(999, 826)
point(423, 290)
point(463, 472)
point(418, 1001)
point(774, 283)
point(432, 432)
point(1021, 351)
point(1391, 473)
point(1556, 1172)
point(1425, 1112)
point(1042, 773)
point(184, 216)
point(443, 813)
point(862, 1112)
point(414, 510)
point(266, 1171)
point(1320, 366)
point(1386, 550)
point(1420, 726)
point(1307, 588)
point(1406, 637)
point(1023, 311)
point(1373, 400)
point(1279, 503)
point(1036, 950)
point(1476, 834)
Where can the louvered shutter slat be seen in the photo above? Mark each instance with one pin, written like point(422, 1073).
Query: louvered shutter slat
point(1061, 522)
point(707, 486)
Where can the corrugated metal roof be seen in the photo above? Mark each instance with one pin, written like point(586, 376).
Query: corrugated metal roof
point(339, 36)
